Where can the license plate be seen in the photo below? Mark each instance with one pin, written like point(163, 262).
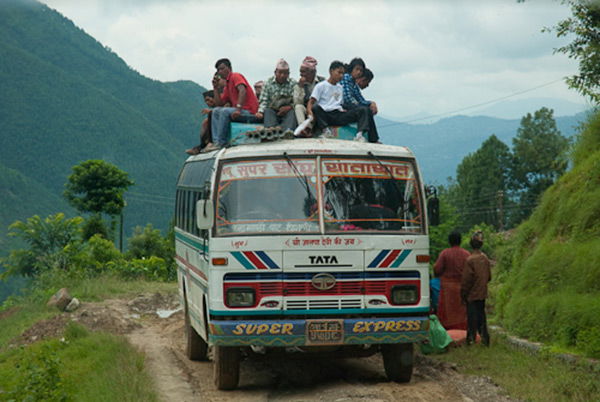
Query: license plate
point(324, 332)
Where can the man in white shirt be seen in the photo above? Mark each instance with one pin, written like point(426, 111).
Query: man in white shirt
point(325, 105)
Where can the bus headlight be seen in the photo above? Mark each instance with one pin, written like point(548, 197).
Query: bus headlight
point(405, 294)
point(240, 297)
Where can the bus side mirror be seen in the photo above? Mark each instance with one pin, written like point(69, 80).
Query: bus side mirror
point(433, 206)
point(204, 214)
point(433, 210)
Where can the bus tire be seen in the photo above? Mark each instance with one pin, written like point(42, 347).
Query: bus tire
point(398, 361)
point(196, 348)
point(227, 367)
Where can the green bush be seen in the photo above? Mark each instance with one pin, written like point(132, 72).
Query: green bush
point(153, 268)
point(39, 377)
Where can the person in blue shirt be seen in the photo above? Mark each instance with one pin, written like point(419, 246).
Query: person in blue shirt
point(352, 93)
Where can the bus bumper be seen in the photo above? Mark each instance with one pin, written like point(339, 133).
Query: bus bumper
point(318, 332)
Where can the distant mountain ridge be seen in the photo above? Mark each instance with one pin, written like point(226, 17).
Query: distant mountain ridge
point(441, 146)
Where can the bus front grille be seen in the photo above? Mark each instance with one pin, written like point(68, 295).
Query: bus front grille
point(337, 304)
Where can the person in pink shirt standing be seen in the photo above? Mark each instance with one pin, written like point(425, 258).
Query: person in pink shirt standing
point(449, 267)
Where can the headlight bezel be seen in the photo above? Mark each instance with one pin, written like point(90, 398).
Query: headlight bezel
point(240, 292)
point(398, 295)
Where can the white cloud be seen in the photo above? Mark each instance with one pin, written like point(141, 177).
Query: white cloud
point(431, 56)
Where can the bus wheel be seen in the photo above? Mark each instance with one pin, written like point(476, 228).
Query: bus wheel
point(196, 348)
point(398, 361)
point(227, 367)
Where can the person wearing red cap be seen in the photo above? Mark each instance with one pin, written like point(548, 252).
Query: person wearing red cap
point(275, 104)
point(304, 87)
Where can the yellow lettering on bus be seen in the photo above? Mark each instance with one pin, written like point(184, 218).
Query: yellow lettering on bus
point(262, 328)
point(275, 329)
point(250, 329)
point(357, 327)
point(287, 329)
point(379, 325)
point(390, 325)
point(239, 329)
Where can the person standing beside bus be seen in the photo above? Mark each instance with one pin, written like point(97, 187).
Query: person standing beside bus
point(474, 290)
point(238, 93)
point(449, 267)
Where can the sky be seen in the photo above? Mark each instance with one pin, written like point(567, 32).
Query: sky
point(430, 56)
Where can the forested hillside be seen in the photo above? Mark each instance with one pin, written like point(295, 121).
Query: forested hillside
point(65, 99)
point(549, 273)
point(441, 146)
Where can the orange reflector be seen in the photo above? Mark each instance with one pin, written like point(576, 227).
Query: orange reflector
point(219, 261)
point(423, 258)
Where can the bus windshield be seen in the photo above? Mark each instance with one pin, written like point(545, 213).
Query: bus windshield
point(281, 196)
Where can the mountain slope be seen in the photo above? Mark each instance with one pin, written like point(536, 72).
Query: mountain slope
point(66, 99)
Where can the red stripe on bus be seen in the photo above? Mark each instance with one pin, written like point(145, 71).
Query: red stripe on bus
point(191, 267)
point(254, 259)
point(389, 259)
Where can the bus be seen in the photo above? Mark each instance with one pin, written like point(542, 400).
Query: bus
point(305, 246)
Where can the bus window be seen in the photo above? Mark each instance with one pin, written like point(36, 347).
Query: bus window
point(268, 196)
point(363, 195)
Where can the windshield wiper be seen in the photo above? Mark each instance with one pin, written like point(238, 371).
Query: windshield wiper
point(303, 179)
point(396, 183)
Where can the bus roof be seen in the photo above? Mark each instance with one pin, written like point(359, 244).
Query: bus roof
point(309, 147)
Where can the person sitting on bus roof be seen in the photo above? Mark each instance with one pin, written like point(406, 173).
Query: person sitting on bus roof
point(258, 87)
point(304, 87)
point(205, 136)
point(275, 104)
point(238, 92)
point(325, 105)
point(352, 93)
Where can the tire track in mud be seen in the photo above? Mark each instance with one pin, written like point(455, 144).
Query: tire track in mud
point(288, 379)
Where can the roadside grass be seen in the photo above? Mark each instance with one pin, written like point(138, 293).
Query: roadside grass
point(527, 376)
point(31, 307)
point(83, 366)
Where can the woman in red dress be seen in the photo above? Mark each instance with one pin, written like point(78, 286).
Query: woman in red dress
point(449, 267)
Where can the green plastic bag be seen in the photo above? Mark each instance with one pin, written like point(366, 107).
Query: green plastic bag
point(438, 337)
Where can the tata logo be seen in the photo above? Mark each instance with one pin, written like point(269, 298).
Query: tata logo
point(323, 281)
point(323, 259)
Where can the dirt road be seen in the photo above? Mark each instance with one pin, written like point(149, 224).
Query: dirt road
point(314, 379)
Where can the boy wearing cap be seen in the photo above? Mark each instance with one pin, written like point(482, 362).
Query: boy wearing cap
point(474, 290)
point(276, 99)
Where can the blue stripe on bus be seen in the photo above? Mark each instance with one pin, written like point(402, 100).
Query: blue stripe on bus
point(263, 256)
point(401, 258)
point(242, 260)
point(321, 311)
point(306, 276)
point(253, 276)
point(379, 258)
point(191, 242)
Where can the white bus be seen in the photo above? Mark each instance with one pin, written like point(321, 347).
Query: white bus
point(310, 246)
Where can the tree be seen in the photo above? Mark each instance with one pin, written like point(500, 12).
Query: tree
point(97, 187)
point(584, 25)
point(48, 240)
point(481, 185)
point(539, 158)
